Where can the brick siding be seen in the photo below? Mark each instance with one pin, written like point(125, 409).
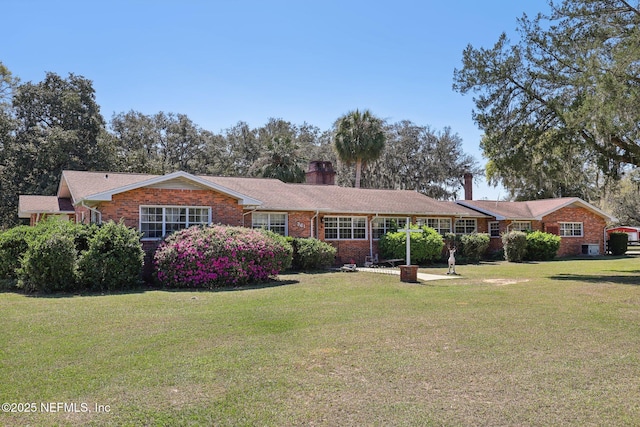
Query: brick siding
point(126, 206)
point(592, 227)
point(300, 223)
point(224, 209)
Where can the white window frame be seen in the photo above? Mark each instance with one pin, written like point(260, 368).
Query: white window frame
point(341, 224)
point(382, 225)
point(429, 222)
point(466, 221)
point(495, 224)
point(520, 226)
point(269, 225)
point(164, 221)
point(564, 227)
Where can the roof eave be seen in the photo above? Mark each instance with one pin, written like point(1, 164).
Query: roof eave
point(107, 196)
point(484, 211)
point(585, 204)
point(369, 212)
point(28, 213)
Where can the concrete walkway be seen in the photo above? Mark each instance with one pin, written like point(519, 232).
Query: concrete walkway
point(424, 277)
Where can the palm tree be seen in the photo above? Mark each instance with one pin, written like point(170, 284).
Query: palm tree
point(359, 138)
point(281, 160)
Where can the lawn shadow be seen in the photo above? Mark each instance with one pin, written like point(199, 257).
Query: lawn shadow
point(148, 288)
point(249, 287)
point(600, 278)
point(86, 293)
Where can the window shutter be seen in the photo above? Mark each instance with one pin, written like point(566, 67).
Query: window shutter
point(552, 229)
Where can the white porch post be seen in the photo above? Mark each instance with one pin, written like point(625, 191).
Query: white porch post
point(408, 272)
point(410, 230)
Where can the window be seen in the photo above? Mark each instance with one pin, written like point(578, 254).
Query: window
point(520, 226)
point(441, 225)
point(276, 222)
point(571, 229)
point(494, 229)
point(345, 228)
point(465, 226)
point(157, 221)
point(380, 226)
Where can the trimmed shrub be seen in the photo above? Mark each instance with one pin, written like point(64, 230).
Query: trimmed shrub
point(54, 225)
point(618, 243)
point(474, 246)
point(49, 264)
point(61, 255)
point(542, 246)
point(218, 256)
point(113, 259)
point(311, 254)
point(13, 244)
point(82, 233)
point(425, 247)
point(515, 246)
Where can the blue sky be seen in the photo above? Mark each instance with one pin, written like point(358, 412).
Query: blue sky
point(221, 62)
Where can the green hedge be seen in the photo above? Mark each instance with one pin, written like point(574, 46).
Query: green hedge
point(542, 246)
point(474, 246)
point(62, 256)
point(113, 259)
point(425, 246)
point(13, 244)
point(311, 254)
point(515, 246)
point(49, 264)
point(618, 243)
point(470, 248)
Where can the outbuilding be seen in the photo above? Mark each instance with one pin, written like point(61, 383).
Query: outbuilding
point(633, 232)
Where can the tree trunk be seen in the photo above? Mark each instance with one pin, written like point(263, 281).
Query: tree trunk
point(358, 172)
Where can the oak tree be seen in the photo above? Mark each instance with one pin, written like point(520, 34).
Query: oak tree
point(572, 82)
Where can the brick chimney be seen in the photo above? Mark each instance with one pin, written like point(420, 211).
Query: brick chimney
point(468, 186)
point(320, 173)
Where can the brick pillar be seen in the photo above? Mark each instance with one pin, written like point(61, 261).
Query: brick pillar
point(409, 273)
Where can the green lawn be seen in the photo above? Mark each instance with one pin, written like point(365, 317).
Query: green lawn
point(555, 343)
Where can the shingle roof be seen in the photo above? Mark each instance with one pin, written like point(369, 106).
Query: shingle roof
point(28, 205)
point(78, 185)
point(529, 210)
point(277, 195)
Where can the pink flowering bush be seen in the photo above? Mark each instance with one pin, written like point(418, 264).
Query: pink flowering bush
point(219, 256)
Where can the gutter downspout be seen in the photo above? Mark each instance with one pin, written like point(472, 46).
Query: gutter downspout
point(312, 223)
point(96, 211)
point(371, 236)
point(247, 213)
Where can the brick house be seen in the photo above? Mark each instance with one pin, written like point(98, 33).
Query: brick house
point(351, 219)
point(581, 226)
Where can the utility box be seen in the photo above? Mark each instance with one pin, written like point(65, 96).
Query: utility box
point(591, 249)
